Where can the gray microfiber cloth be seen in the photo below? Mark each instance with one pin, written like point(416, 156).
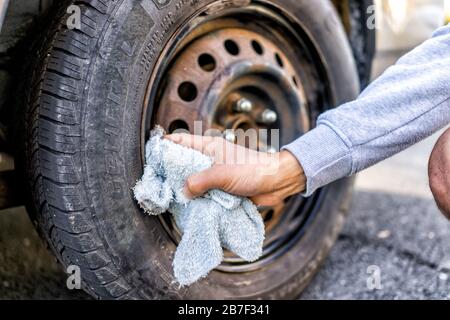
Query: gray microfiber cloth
point(214, 221)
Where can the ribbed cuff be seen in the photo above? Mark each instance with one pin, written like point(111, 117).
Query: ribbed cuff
point(324, 156)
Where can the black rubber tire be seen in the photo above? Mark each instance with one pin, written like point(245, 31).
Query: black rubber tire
point(358, 15)
point(82, 152)
point(362, 39)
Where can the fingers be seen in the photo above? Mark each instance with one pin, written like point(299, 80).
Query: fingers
point(213, 178)
point(189, 141)
point(204, 144)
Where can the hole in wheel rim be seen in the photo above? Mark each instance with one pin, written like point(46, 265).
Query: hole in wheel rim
point(257, 47)
point(232, 47)
point(279, 60)
point(187, 91)
point(178, 125)
point(207, 62)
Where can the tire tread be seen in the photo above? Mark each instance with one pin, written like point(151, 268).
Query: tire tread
point(52, 148)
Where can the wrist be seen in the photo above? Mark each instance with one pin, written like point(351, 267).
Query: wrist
point(291, 174)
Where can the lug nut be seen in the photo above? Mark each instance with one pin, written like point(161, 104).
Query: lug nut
point(268, 117)
point(243, 105)
point(271, 150)
point(229, 136)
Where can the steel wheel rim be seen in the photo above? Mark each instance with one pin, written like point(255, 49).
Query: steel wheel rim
point(297, 213)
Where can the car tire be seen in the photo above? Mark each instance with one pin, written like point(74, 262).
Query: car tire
point(82, 150)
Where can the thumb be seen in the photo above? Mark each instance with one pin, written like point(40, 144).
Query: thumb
point(199, 183)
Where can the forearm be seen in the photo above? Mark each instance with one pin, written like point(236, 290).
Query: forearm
point(409, 102)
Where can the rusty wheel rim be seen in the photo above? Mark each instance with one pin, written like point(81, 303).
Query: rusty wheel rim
point(214, 70)
point(216, 74)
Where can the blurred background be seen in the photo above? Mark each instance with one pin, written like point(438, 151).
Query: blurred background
point(404, 24)
point(394, 224)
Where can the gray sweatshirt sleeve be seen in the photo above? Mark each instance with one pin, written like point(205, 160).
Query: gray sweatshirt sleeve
point(408, 103)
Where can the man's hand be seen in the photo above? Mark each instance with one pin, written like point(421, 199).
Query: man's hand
point(266, 178)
